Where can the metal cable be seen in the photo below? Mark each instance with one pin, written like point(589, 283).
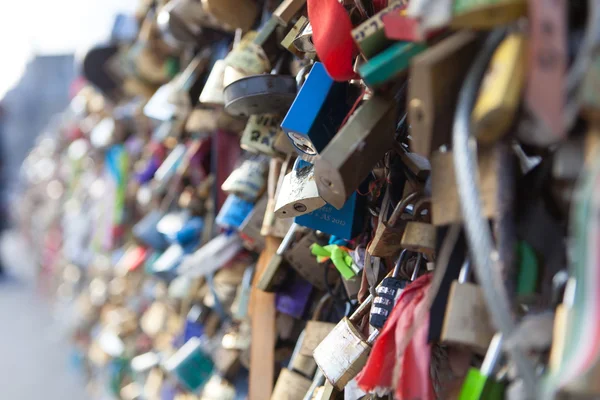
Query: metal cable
point(477, 229)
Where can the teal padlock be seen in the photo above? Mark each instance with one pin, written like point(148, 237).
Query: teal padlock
point(480, 384)
point(191, 365)
point(390, 63)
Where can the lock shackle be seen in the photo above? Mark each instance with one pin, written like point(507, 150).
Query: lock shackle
point(302, 75)
point(401, 206)
point(323, 302)
point(492, 356)
point(420, 205)
point(465, 271)
point(287, 239)
point(362, 309)
point(401, 259)
point(417, 268)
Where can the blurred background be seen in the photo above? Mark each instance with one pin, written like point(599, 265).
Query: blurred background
point(40, 44)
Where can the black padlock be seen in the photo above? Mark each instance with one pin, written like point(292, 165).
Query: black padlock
point(389, 291)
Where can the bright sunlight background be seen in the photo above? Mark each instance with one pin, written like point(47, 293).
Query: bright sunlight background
point(30, 27)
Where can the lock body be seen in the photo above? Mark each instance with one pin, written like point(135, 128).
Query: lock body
point(300, 258)
point(436, 75)
point(190, 365)
point(478, 14)
point(370, 35)
point(212, 93)
point(234, 211)
point(499, 95)
point(290, 386)
point(419, 237)
point(387, 294)
point(389, 64)
point(342, 354)
point(344, 223)
point(317, 112)
point(298, 194)
point(260, 134)
point(445, 206)
point(260, 94)
point(467, 320)
point(358, 146)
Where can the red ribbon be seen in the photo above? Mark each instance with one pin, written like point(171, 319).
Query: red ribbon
point(332, 37)
point(401, 355)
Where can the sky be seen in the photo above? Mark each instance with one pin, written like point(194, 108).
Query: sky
point(29, 27)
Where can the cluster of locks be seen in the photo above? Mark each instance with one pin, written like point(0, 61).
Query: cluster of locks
point(323, 199)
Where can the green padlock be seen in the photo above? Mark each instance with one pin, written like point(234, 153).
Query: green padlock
point(480, 384)
point(389, 64)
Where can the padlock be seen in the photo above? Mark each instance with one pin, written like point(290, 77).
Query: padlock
point(288, 40)
point(261, 94)
point(345, 223)
point(467, 321)
point(300, 258)
point(370, 35)
point(359, 145)
point(315, 330)
point(287, 10)
point(304, 41)
point(293, 297)
point(232, 14)
point(486, 14)
point(245, 59)
point(260, 134)
point(436, 75)
point(388, 236)
point(249, 230)
point(218, 388)
point(318, 111)
point(293, 383)
point(445, 206)
point(481, 384)
point(389, 291)
point(298, 194)
point(344, 352)
point(173, 98)
point(274, 275)
point(248, 180)
point(389, 64)
point(500, 91)
point(420, 235)
point(234, 212)
point(212, 93)
point(180, 21)
point(547, 80)
point(190, 365)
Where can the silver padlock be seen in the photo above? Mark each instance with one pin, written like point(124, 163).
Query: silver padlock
point(344, 352)
point(298, 194)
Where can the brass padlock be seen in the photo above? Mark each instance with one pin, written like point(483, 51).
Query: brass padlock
point(232, 14)
point(358, 146)
point(293, 381)
point(445, 206)
point(388, 236)
point(315, 330)
point(500, 92)
point(486, 14)
point(436, 75)
point(288, 41)
point(344, 352)
point(419, 235)
point(467, 321)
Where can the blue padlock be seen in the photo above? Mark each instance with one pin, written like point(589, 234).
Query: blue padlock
point(344, 223)
point(190, 232)
point(318, 111)
point(234, 212)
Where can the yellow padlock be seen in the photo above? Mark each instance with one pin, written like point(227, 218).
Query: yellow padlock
point(500, 93)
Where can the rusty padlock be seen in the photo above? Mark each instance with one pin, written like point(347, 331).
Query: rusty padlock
point(419, 235)
point(388, 235)
point(344, 352)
